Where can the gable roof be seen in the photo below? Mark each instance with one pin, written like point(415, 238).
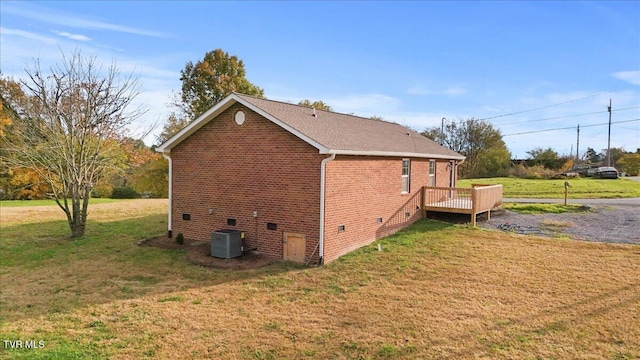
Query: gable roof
point(329, 132)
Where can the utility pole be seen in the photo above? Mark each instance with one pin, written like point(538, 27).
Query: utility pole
point(609, 138)
point(578, 146)
point(442, 131)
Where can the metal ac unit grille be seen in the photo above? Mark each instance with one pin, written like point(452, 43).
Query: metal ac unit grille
point(226, 243)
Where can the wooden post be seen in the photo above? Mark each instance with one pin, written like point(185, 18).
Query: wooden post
point(423, 202)
point(473, 207)
point(566, 192)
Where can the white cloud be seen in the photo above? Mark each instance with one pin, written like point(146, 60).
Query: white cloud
point(77, 37)
point(50, 16)
point(454, 91)
point(632, 77)
point(27, 35)
point(450, 91)
point(418, 90)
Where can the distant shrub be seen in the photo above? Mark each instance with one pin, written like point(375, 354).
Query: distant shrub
point(124, 192)
point(102, 191)
point(532, 172)
point(518, 171)
point(180, 238)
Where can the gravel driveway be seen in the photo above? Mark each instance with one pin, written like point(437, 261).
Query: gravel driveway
point(602, 223)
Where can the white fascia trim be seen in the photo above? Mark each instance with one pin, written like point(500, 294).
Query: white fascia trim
point(219, 108)
point(393, 154)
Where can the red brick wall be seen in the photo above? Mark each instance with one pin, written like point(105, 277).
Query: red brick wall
point(235, 170)
point(362, 189)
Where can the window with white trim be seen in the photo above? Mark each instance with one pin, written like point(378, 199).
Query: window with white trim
point(432, 173)
point(406, 172)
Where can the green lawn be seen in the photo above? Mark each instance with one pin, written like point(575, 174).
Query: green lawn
point(580, 188)
point(544, 208)
point(436, 290)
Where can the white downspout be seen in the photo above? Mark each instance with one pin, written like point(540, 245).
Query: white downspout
point(169, 229)
point(323, 166)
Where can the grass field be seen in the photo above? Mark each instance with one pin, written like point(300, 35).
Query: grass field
point(544, 208)
point(14, 203)
point(580, 188)
point(435, 291)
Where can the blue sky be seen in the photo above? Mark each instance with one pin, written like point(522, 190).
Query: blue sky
point(523, 66)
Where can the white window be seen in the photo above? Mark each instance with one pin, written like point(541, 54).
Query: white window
point(406, 171)
point(432, 173)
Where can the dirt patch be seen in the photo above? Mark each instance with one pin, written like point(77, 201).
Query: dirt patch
point(198, 252)
point(606, 223)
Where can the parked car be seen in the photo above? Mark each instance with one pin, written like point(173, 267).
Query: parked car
point(606, 172)
point(590, 172)
point(580, 169)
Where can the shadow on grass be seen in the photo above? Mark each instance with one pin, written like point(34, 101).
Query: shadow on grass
point(45, 272)
point(454, 218)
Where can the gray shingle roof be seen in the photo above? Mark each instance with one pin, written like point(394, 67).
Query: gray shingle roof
point(330, 132)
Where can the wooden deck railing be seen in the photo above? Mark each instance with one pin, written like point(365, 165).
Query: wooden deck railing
point(445, 197)
point(485, 198)
point(473, 201)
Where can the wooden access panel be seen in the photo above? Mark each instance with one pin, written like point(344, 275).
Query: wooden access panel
point(294, 246)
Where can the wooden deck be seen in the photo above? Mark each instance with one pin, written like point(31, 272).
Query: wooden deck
point(473, 201)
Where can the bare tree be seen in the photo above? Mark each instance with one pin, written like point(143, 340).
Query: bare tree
point(70, 133)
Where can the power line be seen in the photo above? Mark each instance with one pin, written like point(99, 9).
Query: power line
point(568, 116)
point(544, 107)
point(594, 135)
point(552, 118)
point(569, 127)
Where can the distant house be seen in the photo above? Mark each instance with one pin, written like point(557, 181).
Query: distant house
point(303, 185)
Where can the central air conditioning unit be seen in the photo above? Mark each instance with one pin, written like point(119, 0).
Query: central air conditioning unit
point(226, 243)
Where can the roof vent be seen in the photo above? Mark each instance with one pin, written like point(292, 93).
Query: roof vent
point(314, 113)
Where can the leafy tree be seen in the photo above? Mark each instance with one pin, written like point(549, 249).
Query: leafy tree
point(593, 157)
point(548, 158)
point(210, 80)
point(152, 177)
point(496, 161)
point(474, 139)
point(70, 135)
point(615, 153)
point(174, 124)
point(134, 155)
point(318, 104)
point(629, 163)
point(27, 185)
point(12, 100)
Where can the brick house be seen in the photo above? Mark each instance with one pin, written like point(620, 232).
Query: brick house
point(303, 185)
